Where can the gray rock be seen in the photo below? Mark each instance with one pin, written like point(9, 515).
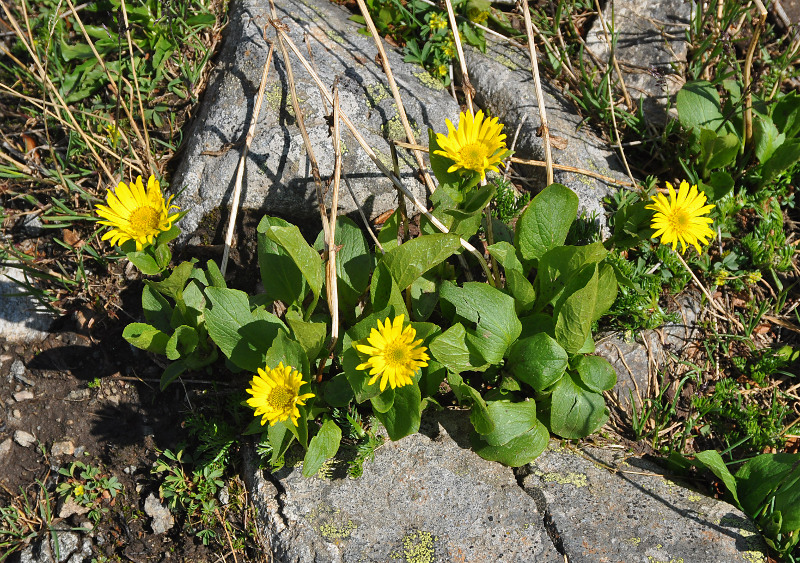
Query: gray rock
point(162, 517)
point(424, 498)
point(23, 396)
point(5, 448)
point(504, 85)
point(78, 395)
point(23, 320)
point(278, 176)
point(63, 448)
point(32, 225)
point(605, 506)
point(651, 48)
point(69, 508)
point(637, 360)
point(24, 439)
point(44, 551)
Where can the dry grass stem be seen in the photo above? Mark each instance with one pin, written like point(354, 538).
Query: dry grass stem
point(51, 90)
point(548, 156)
point(541, 163)
point(237, 187)
point(611, 55)
point(398, 100)
point(371, 154)
point(616, 131)
point(748, 68)
point(330, 243)
point(136, 87)
point(363, 217)
point(466, 86)
point(512, 147)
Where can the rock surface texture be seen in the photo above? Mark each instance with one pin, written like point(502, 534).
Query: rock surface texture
point(23, 320)
point(278, 175)
point(651, 47)
point(605, 507)
point(504, 85)
point(423, 499)
point(428, 498)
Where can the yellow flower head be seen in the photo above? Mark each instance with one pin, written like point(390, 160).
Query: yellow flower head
point(441, 70)
point(134, 213)
point(476, 145)
point(680, 219)
point(79, 490)
point(449, 47)
point(437, 22)
point(275, 394)
point(394, 355)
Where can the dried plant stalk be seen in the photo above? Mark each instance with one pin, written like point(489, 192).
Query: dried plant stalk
point(466, 86)
point(748, 68)
point(237, 188)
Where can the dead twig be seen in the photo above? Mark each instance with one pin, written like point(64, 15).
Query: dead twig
point(466, 86)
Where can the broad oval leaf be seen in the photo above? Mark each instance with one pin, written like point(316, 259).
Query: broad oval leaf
point(545, 224)
point(575, 412)
point(411, 259)
point(510, 420)
point(322, 447)
point(517, 451)
point(538, 361)
point(596, 373)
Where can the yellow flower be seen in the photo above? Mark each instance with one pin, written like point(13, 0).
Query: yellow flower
point(79, 490)
point(394, 355)
point(680, 219)
point(476, 145)
point(437, 22)
point(136, 214)
point(449, 47)
point(441, 70)
point(276, 394)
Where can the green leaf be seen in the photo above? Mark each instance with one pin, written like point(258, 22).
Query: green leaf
point(425, 294)
point(143, 260)
point(606, 290)
point(310, 335)
point(717, 150)
point(383, 401)
point(322, 447)
point(786, 114)
point(698, 105)
point(172, 372)
point(182, 343)
point(146, 337)
point(156, 309)
point(337, 391)
point(718, 185)
point(244, 337)
point(559, 266)
point(711, 460)
point(575, 412)
point(546, 222)
point(766, 138)
point(510, 420)
point(404, 417)
point(516, 452)
point(387, 236)
point(284, 350)
point(413, 258)
point(539, 361)
point(215, 276)
point(354, 264)
point(492, 312)
point(280, 274)
point(384, 292)
point(596, 373)
point(172, 287)
point(520, 288)
point(575, 313)
point(431, 378)
point(453, 351)
point(479, 415)
point(783, 157)
point(773, 479)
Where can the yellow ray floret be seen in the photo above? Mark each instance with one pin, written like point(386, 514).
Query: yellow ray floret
point(276, 394)
point(134, 213)
point(477, 145)
point(681, 218)
point(393, 354)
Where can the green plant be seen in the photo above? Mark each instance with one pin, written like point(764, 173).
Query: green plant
point(89, 487)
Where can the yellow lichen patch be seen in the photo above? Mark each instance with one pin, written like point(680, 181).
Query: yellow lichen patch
point(330, 523)
point(652, 559)
point(393, 129)
point(634, 541)
point(575, 479)
point(695, 498)
point(429, 81)
point(376, 93)
point(418, 547)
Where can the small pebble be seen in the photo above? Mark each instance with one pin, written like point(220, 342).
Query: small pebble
point(61, 449)
point(5, 448)
point(79, 451)
point(24, 439)
point(78, 395)
point(23, 396)
point(16, 414)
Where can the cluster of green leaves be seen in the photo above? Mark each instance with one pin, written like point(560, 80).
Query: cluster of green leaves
point(423, 30)
point(23, 518)
point(766, 488)
point(715, 157)
point(191, 489)
point(89, 487)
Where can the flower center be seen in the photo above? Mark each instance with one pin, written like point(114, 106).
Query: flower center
point(679, 220)
point(279, 397)
point(144, 219)
point(396, 354)
point(474, 155)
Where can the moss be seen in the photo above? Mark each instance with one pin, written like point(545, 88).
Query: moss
point(427, 80)
point(418, 547)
